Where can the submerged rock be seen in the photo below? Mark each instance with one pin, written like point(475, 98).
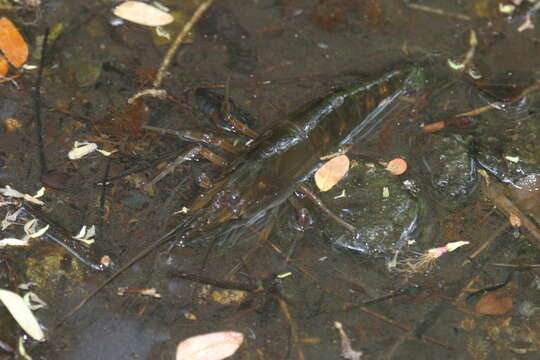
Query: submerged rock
point(514, 153)
point(451, 168)
point(384, 213)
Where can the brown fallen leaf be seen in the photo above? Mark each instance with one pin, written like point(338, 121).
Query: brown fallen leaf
point(211, 346)
point(331, 172)
point(495, 303)
point(142, 13)
point(12, 43)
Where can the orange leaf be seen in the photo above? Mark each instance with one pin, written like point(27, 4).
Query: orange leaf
point(331, 172)
point(212, 346)
point(4, 66)
point(12, 43)
point(495, 303)
point(397, 166)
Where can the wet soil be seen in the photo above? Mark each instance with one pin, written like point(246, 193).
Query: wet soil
point(270, 57)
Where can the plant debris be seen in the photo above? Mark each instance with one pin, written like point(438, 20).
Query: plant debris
point(346, 350)
point(331, 172)
point(212, 346)
point(142, 14)
point(21, 312)
point(10, 192)
point(12, 43)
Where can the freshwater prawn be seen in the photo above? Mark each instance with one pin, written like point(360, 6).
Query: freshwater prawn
point(282, 157)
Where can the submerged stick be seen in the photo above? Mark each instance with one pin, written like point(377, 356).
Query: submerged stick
point(178, 41)
point(495, 192)
point(170, 53)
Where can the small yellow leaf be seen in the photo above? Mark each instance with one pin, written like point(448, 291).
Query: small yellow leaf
point(331, 172)
point(212, 346)
point(143, 14)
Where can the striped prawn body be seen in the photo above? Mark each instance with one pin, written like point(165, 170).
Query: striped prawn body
point(288, 153)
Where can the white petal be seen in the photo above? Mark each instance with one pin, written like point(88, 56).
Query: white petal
point(14, 242)
point(22, 314)
point(451, 246)
point(91, 232)
point(8, 191)
point(143, 14)
point(30, 227)
point(212, 346)
point(34, 302)
point(10, 218)
point(39, 232)
point(33, 199)
point(81, 233)
point(81, 149)
point(40, 193)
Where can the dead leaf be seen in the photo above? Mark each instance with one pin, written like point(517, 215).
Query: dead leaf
point(4, 66)
point(331, 172)
point(22, 314)
point(11, 124)
point(212, 346)
point(143, 14)
point(397, 166)
point(495, 303)
point(12, 43)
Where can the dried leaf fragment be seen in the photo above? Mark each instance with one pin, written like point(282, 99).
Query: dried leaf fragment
point(81, 149)
point(11, 124)
point(8, 191)
point(331, 172)
point(346, 350)
point(86, 235)
point(14, 242)
point(211, 346)
point(12, 43)
point(22, 314)
point(495, 303)
point(514, 220)
point(143, 14)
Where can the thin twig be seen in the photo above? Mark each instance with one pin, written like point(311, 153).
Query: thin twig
point(485, 244)
point(498, 104)
point(293, 328)
point(179, 39)
point(437, 11)
point(155, 91)
point(37, 104)
point(318, 202)
point(495, 192)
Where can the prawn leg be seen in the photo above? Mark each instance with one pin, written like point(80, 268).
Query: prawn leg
point(285, 155)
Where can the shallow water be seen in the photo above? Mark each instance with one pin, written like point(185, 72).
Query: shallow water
point(272, 57)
